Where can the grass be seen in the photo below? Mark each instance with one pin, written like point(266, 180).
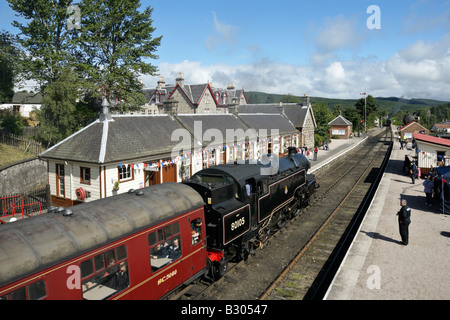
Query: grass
point(10, 155)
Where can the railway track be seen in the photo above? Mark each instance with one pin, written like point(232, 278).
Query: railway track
point(298, 261)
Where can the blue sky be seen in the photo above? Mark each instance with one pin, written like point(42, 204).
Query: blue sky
point(322, 48)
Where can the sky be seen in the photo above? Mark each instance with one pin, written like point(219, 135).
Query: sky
point(323, 48)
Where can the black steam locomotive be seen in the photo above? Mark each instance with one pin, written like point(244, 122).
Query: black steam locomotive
point(244, 204)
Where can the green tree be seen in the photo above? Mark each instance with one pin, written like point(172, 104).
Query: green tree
point(323, 116)
point(371, 107)
point(45, 38)
point(289, 98)
point(58, 115)
point(9, 56)
point(12, 123)
point(114, 44)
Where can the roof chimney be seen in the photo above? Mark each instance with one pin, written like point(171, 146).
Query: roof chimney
point(306, 101)
point(230, 86)
point(161, 82)
point(180, 79)
point(105, 115)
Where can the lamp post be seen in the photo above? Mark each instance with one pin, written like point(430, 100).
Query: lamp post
point(365, 108)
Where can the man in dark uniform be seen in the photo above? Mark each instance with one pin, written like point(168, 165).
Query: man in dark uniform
point(404, 219)
point(413, 172)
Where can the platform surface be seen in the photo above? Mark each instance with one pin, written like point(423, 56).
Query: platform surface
point(378, 266)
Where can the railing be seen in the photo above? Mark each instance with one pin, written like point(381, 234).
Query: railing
point(22, 143)
point(26, 205)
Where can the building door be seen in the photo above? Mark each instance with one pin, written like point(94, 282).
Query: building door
point(169, 173)
point(152, 178)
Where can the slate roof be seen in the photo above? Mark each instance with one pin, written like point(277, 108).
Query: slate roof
point(194, 92)
point(25, 98)
point(123, 138)
point(269, 122)
point(295, 112)
point(340, 121)
point(149, 137)
point(221, 122)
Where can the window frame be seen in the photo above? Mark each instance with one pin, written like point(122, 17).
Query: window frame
point(101, 266)
point(129, 175)
point(83, 172)
point(58, 168)
point(165, 234)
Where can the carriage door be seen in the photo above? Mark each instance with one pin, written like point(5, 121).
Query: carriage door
point(197, 235)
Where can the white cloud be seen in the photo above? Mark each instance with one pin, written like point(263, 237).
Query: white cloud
point(225, 34)
point(339, 32)
point(420, 70)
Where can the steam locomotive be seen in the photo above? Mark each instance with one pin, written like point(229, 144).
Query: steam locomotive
point(147, 243)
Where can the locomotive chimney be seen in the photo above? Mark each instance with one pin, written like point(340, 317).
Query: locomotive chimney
point(292, 151)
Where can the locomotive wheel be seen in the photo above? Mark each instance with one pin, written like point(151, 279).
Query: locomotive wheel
point(282, 221)
point(295, 212)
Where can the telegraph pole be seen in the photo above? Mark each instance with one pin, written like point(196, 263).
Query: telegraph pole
point(365, 112)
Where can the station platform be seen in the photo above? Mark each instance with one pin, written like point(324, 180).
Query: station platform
point(378, 266)
point(337, 148)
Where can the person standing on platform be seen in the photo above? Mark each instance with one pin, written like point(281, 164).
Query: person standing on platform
point(404, 219)
point(316, 150)
point(429, 186)
point(413, 171)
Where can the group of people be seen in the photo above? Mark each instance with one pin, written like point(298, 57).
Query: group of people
point(403, 143)
point(304, 150)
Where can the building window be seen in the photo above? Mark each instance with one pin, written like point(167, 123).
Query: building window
point(126, 172)
point(60, 192)
point(85, 175)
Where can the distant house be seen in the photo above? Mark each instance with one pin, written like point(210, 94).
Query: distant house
point(192, 98)
point(406, 131)
point(340, 127)
point(443, 127)
point(117, 153)
point(431, 152)
point(24, 103)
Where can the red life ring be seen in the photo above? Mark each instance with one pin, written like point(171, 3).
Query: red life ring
point(81, 194)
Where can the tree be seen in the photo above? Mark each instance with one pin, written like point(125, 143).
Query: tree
point(9, 55)
point(323, 116)
point(372, 106)
point(289, 98)
point(59, 109)
point(114, 44)
point(45, 38)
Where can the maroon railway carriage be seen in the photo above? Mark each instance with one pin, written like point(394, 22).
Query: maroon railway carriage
point(139, 245)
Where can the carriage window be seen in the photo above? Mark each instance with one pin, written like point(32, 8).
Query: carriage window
point(165, 248)
point(34, 291)
point(109, 276)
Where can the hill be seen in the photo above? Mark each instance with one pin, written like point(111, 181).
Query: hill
point(390, 104)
